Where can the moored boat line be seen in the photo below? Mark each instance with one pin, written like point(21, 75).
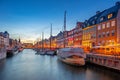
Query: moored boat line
point(8, 46)
point(45, 52)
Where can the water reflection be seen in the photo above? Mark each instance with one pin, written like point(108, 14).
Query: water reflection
point(27, 65)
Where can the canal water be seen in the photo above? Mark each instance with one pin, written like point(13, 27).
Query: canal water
point(28, 66)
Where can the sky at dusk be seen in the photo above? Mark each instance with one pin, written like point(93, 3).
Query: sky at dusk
point(27, 19)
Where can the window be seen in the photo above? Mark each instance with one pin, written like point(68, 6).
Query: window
point(108, 24)
point(101, 19)
point(113, 23)
point(96, 17)
point(94, 35)
point(113, 32)
point(94, 28)
point(108, 34)
point(103, 26)
point(91, 36)
point(88, 24)
point(84, 37)
point(103, 34)
point(84, 26)
point(99, 36)
point(107, 49)
point(110, 16)
point(99, 27)
point(93, 22)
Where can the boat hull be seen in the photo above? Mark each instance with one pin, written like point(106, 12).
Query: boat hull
point(50, 52)
point(20, 50)
point(10, 53)
point(73, 61)
point(74, 56)
point(41, 52)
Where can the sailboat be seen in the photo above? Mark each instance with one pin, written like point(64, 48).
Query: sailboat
point(42, 51)
point(50, 51)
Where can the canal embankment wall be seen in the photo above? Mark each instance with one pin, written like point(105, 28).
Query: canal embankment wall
point(111, 62)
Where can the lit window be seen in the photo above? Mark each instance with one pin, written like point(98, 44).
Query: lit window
point(113, 23)
point(103, 34)
point(103, 26)
point(99, 27)
point(110, 16)
point(108, 24)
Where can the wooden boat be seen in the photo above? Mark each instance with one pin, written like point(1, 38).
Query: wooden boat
point(12, 51)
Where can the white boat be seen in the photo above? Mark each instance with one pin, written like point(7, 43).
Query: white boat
point(74, 56)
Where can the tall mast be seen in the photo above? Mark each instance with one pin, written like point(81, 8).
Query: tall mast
point(50, 35)
point(19, 40)
point(65, 21)
point(39, 42)
point(42, 40)
point(64, 27)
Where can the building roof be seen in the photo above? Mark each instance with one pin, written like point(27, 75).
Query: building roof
point(104, 14)
point(113, 10)
point(4, 34)
point(60, 34)
point(1, 34)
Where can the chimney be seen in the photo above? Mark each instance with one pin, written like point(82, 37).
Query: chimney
point(97, 12)
point(117, 3)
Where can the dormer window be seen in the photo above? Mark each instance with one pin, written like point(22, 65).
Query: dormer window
point(84, 26)
point(93, 22)
point(88, 24)
point(101, 19)
point(96, 17)
point(110, 16)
